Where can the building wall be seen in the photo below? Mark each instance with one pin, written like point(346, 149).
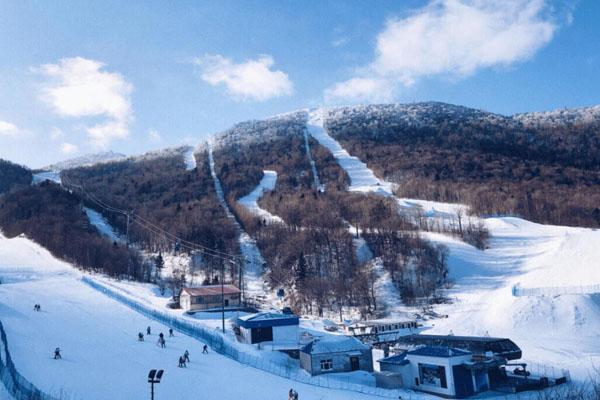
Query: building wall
point(186, 303)
point(447, 363)
point(341, 362)
point(286, 334)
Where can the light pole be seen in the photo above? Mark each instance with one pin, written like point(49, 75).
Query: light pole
point(223, 295)
point(154, 377)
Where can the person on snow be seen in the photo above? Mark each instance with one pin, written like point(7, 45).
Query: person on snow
point(186, 356)
point(148, 331)
point(160, 335)
point(57, 355)
point(291, 394)
point(181, 362)
point(140, 336)
point(171, 332)
point(205, 349)
point(161, 342)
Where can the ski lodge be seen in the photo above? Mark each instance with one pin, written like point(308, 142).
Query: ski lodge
point(278, 329)
point(210, 298)
point(336, 353)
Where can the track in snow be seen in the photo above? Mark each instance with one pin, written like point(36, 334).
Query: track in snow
point(250, 201)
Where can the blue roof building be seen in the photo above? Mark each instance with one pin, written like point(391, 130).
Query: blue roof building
point(271, 327)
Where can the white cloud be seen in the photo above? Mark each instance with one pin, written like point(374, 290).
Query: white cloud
point(79, 87)
point(154, 136)
point(248, 80)
point(458, 38)
point(68, 148)
point(56, 133)
point(8, 129)
point(361, 89)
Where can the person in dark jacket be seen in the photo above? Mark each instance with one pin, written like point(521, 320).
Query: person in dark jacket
point(148, 331)
point(181, 362)
point(140, 336)
point(205, 349)
point(186, 356)
point(171, 332)
point(57, 355)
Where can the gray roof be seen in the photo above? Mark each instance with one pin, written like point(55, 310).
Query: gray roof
point(439, 351)
point(334, 344)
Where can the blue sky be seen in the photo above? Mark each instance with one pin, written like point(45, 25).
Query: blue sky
point(132, 76)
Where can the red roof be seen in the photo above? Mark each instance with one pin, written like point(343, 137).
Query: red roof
point(211, 290)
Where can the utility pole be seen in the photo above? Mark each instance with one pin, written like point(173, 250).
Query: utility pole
point(154, 377)
point(223, 295)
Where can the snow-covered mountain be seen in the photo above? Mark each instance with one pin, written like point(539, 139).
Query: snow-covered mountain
point(85, 160)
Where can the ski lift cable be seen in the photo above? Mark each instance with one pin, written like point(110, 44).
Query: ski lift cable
point(154, 228)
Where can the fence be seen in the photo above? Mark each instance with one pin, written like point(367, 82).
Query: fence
point(518, 291)
point(222, 345)
point(19, 387)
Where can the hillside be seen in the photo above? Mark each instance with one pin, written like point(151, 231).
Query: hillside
point(12, 175)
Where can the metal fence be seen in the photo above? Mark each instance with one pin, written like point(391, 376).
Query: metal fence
point(223, 345)
point(19, 387)
point(519, 291)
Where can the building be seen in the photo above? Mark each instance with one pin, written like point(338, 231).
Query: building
point(333, 353)
point(207, 298)
point(275, 328)
point(478, 345)
point(380, 330)
point(440, 370)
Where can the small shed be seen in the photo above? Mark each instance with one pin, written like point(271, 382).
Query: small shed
point(333, 353)
point(210, 297)
point(276, 328)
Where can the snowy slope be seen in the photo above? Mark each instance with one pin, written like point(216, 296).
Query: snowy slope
point(86, 160)
point(40, 177)
point(102, 224)
point(362, 179)
point(313, 166)
point(98, 339)
point(250, 201)
point(189, 159)
point(255, 286)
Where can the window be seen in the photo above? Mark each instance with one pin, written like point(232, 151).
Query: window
point(326, 365)
point(433, 375)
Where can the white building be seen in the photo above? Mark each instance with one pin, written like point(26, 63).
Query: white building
point(269, 327)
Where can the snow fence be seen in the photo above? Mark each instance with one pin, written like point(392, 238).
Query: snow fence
point(222, 345)
point(518, 291)
point(19, 387)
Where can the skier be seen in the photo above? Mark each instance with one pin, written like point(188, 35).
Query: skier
point(171, 332)
point(295, 395)
point(205, 349)
point(140, 336)
point(57, 355)
point(291, 394)
point(186, 356)
point(161, 342)
point(148, 331)
point(160, 335)
point(181, 362)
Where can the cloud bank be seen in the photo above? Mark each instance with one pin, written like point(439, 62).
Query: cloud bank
point(8, 129)
point(81, 88)
point(248, 80)
point(450, 37)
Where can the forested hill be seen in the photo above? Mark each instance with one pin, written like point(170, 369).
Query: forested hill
point(12, 175)
point(542, 166)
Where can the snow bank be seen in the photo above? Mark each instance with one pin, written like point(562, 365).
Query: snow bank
point(250, 201)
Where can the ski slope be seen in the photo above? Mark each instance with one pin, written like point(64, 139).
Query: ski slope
point(250, 201)
point(255, 286)
point(102, 224)
point(53, 176)
point(189, 159)
point(102, 358)
point(313, 166)
point(362, 179)
point(560, 331)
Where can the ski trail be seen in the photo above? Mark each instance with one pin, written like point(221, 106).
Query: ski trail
point(255, 286)
point(189, 159)
point(317, 182)
point(250, 201)
point(387, 293)
point(362, 179)
point(102, 224)
point(53, 176)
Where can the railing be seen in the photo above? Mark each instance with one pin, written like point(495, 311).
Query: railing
point(518, 291)
point(223, 345)
point(19, 387)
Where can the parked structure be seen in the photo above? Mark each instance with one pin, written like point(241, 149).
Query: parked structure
point(208, 297)
point(278, 329)
point(333, 353)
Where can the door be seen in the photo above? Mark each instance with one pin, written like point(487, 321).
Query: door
point(259, 335)
point(354, 364)
point(226, 303)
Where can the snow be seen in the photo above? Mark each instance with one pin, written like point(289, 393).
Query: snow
point(102, 224)
point(189, 159)
point(362, 179)
point(98, 338)
point(386, 291)
point(255, 286)
point(313, 166)
point(559, 331)
point(86, 160)
point(250, 201)
point(53, 176)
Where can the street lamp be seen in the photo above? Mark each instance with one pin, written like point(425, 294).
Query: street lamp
point(154, 377)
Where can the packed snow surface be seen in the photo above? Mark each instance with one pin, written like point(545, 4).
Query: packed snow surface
point(362, 179)
point(98, 341)
point(102, 224)
point(53, 176)
point(189, 159)
point(250, 201)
